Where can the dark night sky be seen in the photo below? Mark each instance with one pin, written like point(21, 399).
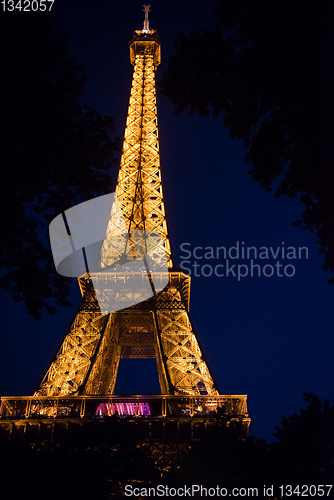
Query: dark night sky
point(269, 338)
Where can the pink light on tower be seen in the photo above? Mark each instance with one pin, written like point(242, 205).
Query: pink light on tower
point(135, 409)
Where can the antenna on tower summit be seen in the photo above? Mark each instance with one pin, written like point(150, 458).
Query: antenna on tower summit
point(146, 27)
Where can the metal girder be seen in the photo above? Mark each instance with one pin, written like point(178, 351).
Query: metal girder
point(139, 187)
point(73, 360)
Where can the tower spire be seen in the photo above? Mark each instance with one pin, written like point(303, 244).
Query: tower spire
point(146, 27)
point(139, 186)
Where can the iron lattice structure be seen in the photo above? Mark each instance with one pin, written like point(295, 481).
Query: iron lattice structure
point(160, 327)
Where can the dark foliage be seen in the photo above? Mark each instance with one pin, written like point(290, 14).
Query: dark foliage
point(94, 462)
point(303, 455)
point(224, 459)
point(268, 69)
point(54, 153)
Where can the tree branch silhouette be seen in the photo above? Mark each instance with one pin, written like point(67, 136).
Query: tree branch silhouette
point(56, 152)
point(268, 71)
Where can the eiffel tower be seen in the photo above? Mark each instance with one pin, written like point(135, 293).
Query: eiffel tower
point(88, 360)
point(86, 365)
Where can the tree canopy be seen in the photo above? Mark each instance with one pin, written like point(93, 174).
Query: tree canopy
point(302, 455)
point(268, 70)
point(55, 151)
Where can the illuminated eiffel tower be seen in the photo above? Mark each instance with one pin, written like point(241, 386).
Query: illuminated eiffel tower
point(80, 381)
point(88, 360)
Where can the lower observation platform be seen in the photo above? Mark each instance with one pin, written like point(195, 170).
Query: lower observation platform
point(151, 407)
point(29, 407)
